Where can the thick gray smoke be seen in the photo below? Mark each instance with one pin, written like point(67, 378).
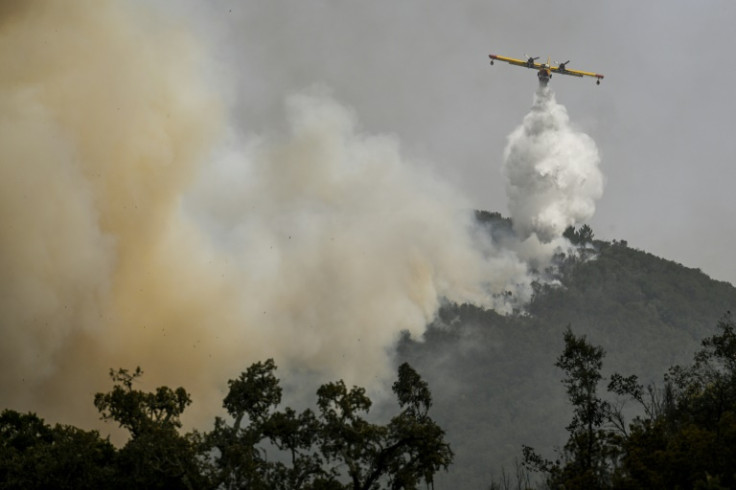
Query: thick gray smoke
point(139, 228)
point(553, 178)
point(339, 242)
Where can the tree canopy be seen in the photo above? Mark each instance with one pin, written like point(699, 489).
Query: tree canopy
point(685, 436)
point(335, 447)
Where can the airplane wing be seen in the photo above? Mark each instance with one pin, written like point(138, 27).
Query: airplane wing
point(575, 73)
point(514, 61)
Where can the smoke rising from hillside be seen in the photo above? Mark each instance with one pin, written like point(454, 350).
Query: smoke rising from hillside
point(138, 229)
point(553, 178)
point(343, 242)
point(104, 121)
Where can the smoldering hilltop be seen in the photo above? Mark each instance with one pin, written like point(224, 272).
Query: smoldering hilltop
point(140, 228)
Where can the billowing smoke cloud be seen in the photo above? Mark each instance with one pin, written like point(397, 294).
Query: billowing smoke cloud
point(135, 233)
point(342, 243)
point(553, 179)
point(103, 123)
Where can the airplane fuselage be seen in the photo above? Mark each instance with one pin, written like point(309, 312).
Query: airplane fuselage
point(544, 75)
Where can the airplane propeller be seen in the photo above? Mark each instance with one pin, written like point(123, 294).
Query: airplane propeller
point(527, 57)
point(562, 65)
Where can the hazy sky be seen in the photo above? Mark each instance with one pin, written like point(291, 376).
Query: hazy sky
point(418, 69)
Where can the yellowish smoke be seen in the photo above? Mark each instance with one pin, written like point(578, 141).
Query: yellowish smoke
point(132, 232)
point(104, 120)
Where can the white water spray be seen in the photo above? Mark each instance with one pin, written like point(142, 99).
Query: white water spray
point(553, 178)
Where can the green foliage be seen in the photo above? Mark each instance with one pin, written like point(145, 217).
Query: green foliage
point(407, 451)
point(239, 459)
point(36, 455)
point(139, 412)
point(313, 451)
point(254, 393)
point(581, 237)
point(686, 440)
point(412, 392)
point(156, 456)
point(691, 442)
point(588, 451)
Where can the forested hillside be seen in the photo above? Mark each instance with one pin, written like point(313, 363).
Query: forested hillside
point(495, 385)
point(494, 378)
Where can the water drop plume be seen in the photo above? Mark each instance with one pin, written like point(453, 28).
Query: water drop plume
point(552, 171)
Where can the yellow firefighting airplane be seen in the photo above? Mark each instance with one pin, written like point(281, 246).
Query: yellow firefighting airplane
point(545, 70)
